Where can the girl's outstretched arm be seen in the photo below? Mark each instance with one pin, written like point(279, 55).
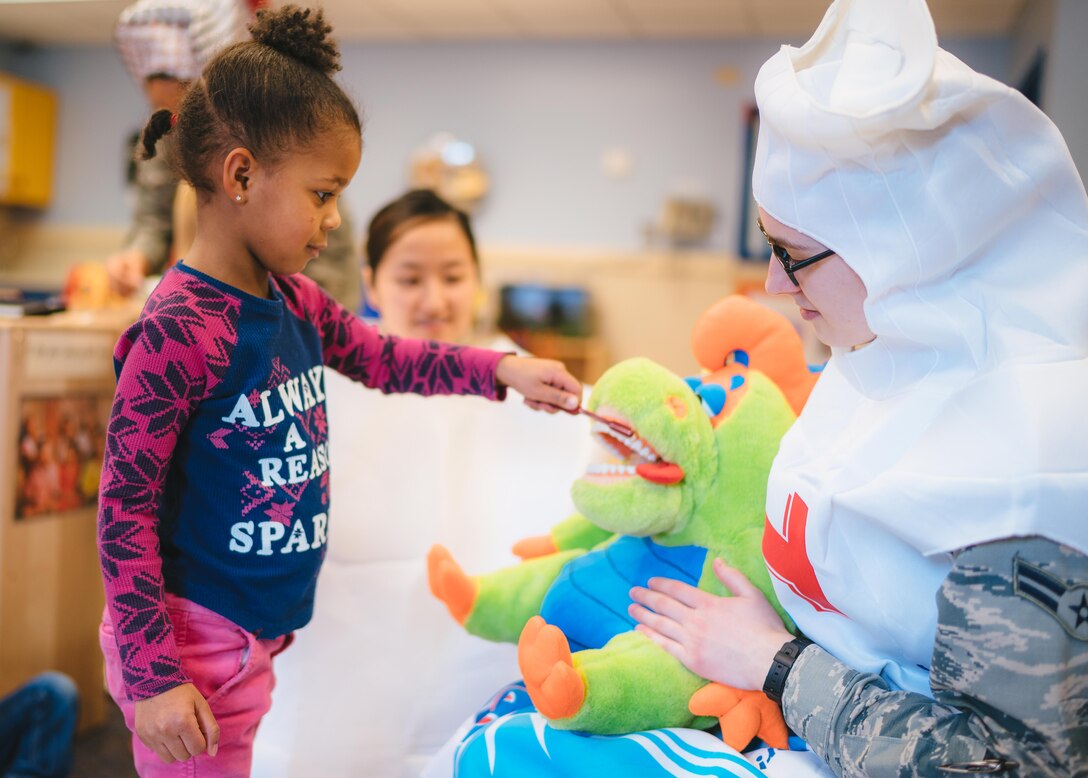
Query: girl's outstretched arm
point(395, 365)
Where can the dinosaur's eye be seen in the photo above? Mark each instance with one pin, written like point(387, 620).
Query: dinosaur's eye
point(713, 398)
point(740, 356)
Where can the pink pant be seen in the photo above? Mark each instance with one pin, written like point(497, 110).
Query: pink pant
point(229, 666)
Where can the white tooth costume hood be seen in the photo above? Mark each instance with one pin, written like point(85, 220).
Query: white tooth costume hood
point(957, 203)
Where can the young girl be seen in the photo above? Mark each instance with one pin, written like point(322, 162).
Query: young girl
point(391, 673)
point(214, 498)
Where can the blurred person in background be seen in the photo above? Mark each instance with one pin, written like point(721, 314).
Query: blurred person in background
point(164, 45)
point(37, 727)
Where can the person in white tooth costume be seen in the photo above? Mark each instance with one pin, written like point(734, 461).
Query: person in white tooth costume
point(382, 676)
point(927, 514)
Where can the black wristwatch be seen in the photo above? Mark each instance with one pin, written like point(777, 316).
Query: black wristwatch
point(780, 668)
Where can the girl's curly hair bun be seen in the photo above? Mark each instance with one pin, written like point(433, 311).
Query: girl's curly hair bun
point(300, 33)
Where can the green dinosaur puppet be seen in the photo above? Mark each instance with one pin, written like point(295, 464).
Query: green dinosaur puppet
point(689, 485)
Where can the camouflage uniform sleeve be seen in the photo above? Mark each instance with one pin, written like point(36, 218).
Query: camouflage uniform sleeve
point(153, 213)
point(1009, 677)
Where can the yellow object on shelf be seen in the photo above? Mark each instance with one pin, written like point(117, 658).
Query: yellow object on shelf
point(27, 129)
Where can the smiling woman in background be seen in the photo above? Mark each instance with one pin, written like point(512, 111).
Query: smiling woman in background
point(391, 674)
point(422, 271)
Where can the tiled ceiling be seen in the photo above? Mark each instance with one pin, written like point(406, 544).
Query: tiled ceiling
point(91, 21)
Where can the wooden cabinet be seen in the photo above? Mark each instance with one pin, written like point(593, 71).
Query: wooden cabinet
point(27, 129)
point(54, 404)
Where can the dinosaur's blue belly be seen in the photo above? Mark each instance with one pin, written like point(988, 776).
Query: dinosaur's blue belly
point(589, 599)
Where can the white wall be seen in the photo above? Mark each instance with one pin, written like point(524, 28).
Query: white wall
point(540, 114)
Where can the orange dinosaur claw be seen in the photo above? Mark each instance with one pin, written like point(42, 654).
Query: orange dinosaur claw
point(772, 726)
point(556, 688)
point(536, 546)
point(742, 714)
point(739, 725)
point(713, 699)
point(449, 583)
point(435, 556)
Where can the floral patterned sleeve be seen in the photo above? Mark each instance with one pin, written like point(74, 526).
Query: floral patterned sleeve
point(388, 363)
point(167, 362)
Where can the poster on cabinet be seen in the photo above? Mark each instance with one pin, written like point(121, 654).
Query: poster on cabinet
point(59, 458)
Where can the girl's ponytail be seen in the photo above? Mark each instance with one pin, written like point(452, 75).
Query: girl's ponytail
point(160, 123)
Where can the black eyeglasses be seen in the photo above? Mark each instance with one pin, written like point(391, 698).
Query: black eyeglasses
point(789, 264)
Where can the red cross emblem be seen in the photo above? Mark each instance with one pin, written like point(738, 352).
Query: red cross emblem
point(787, 557)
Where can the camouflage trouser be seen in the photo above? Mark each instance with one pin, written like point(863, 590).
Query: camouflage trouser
point(1009, 677)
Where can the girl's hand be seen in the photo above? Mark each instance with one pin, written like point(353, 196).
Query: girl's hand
point(177, 724)
point(544, 383)
point(731, 640)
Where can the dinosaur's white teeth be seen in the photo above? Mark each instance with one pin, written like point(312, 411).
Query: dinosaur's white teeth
point(602, 469)
point(634, 442)
point(643, 450)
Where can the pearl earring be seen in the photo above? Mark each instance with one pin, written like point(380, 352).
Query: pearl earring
point(238, 198)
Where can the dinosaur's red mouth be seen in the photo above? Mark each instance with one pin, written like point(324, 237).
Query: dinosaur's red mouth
point(637, 457)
